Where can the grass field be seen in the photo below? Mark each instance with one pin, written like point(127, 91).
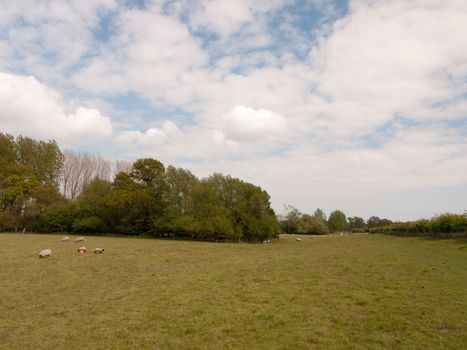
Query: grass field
point(335, 292)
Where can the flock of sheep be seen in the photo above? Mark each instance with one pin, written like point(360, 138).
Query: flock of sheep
point(45, 253)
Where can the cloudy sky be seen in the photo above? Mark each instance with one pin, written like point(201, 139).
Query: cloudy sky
point(353, 105)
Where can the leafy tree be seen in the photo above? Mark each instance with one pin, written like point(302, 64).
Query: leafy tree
point(149, 172)
point(7, 154)
point(320, 214)
point(57, 218)
point(179, 195)
point(44, 159)
point(337, 221)
point(312, 225)
point(15, 196)
point(92, 212)
point(373, 221)
point(291, 221)
point(356, 223)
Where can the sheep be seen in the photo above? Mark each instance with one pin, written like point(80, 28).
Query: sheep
point(82, 250)
point(80, 239)
point(65, 239)
point(98, 250)
point(45, 253)
point(298, 239)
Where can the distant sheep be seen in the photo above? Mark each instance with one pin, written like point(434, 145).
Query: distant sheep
point(298, 239)
point(45, 253)
point(82, 250)
point(80, 239)
point(98, 250)
point(65, 239)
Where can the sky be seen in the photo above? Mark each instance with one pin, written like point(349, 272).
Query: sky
point(356, 105)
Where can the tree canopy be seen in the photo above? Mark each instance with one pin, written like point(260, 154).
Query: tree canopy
point(147, 199)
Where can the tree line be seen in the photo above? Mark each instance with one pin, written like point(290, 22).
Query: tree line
point(444, 225)
point(45, 190)
point(295, 222)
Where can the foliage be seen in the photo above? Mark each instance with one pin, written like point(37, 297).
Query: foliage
point(356, 224)
point(444, 225)
point(294, 222)
point(337, 221)
point(30, 172)
point(291, 222)
point(320, 214)
point(312, 225)
point(149, 199)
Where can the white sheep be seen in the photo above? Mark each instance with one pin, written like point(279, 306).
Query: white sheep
point(82, 250)
point(45, 253)
point(80, 239)
point(65, 239)
point(98, 250)
point(298, 239)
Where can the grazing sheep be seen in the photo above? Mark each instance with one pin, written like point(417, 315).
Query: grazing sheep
point(298, 239)
point(65, 239)
point(98, 250)
point(82, 250)
point(45, 253)
point(80, 239)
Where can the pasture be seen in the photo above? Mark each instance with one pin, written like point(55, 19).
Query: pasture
point(334, 292)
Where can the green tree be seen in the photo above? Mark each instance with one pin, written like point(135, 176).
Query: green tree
point(373, 221)
point(291, 222)
point(15, 196)
point(312, 225)
point(7, 154)
point(356, 223)
point(179, 190)
point(44, 159)
point(337, 221)
point(92, 211)
point(149, 172)
point(320, 214)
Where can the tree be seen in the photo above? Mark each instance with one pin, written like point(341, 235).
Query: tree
point(337, 221)
point(43, 159)
point(312, 225)
point(180, 184)
point(149, 172)
point(373, 221)
point(79, 169)
point(122, 166)
point(291, 222)
point(320, 214)
point(356, 223)
point(7, 153)
point(92, 212)
point(30, 172)
point(16, 196)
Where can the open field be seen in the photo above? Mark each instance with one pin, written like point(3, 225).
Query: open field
point(338, 292)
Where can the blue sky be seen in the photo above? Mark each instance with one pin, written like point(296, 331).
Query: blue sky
point(354, 105)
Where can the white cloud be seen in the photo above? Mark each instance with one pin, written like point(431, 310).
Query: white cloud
point(366, 112)
point(152, 54)
point(225, 17)
point(245, 123)
point(47, 38)
point(391, 57)
point(152, 137)
point(32, 109)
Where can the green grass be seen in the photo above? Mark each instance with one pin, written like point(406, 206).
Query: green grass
point(338, 292)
